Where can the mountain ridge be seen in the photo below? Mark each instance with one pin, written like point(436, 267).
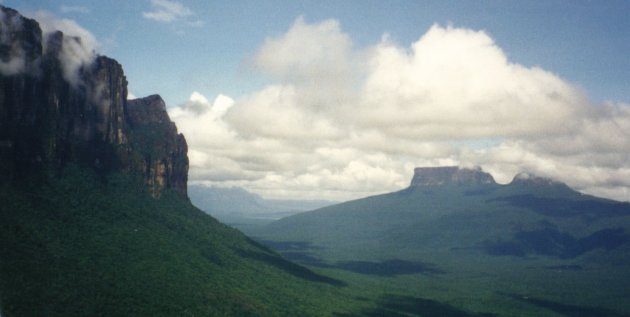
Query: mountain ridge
point(453, 233)
point(451, 194)
point(464, 176)
point(435, 176)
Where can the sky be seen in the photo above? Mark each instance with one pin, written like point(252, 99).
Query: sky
point(342, 99)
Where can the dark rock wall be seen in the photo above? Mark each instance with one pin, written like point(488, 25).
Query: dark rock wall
point(433, 176)
point(47, 122)
point(162, 149)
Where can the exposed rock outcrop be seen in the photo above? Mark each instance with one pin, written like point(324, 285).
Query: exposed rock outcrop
point(50, 118)
point(435, 176)
point(154, 136)
point(530, 180)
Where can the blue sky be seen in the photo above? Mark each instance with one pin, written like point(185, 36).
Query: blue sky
point(342, 99)
point(585, 42)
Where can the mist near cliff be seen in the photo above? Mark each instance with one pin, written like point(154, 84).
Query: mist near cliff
point(78, 47)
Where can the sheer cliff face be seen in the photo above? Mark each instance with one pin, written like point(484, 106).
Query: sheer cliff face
point(454, 175)
point(50, 118)
point(163, 151)
point(435, 176)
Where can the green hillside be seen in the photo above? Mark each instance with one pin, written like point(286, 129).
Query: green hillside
point(460, 216)
point(85, 246)
point(530, 248)
point(94, 214)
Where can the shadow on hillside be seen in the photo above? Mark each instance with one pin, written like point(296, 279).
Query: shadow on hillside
point(298, 251)
point(290, 267)
point(394, 306)
point(305, 258)
point(589, 209)
point(566, 267)
point(388, 268)
point(567, 310)
point(552, 242)
point(282, 246)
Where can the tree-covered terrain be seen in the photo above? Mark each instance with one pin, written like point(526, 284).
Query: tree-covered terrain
point(95, 220)
point(81, 245)
point(94, 214)
point(533, 247)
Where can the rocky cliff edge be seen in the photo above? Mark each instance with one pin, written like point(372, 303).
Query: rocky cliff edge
point(57, 110)
point(435, 176)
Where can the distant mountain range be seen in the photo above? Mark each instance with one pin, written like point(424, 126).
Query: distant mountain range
point(451, 208)
point(242, 209)
point(459, 222)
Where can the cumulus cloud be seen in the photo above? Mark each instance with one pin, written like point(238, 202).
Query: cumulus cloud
point(342, 122)
point(78, 48)
point(325, 54)
point(456, 83)
point(167, 11)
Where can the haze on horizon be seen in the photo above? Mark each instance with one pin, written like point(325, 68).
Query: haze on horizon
point(324, 111)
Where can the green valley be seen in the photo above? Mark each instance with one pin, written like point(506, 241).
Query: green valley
point(96, 217)
point(84, 246)
point(533, 247)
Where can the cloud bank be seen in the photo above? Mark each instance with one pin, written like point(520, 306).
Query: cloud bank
point(78, 48)
point(13, 61)
point(343, 122)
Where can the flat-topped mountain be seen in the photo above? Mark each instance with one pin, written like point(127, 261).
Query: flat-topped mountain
point(456, 229)
point(450, 195)
point(94, 214)
point(433, 176)
point(461, 176)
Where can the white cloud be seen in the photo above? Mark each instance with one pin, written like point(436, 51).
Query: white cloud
point(343, 122)
point(308, 53)
point(456, 83)
point(15, 62)
point(78, 48)
point(167, 11)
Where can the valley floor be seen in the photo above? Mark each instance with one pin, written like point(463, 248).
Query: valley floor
point(458, 284)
